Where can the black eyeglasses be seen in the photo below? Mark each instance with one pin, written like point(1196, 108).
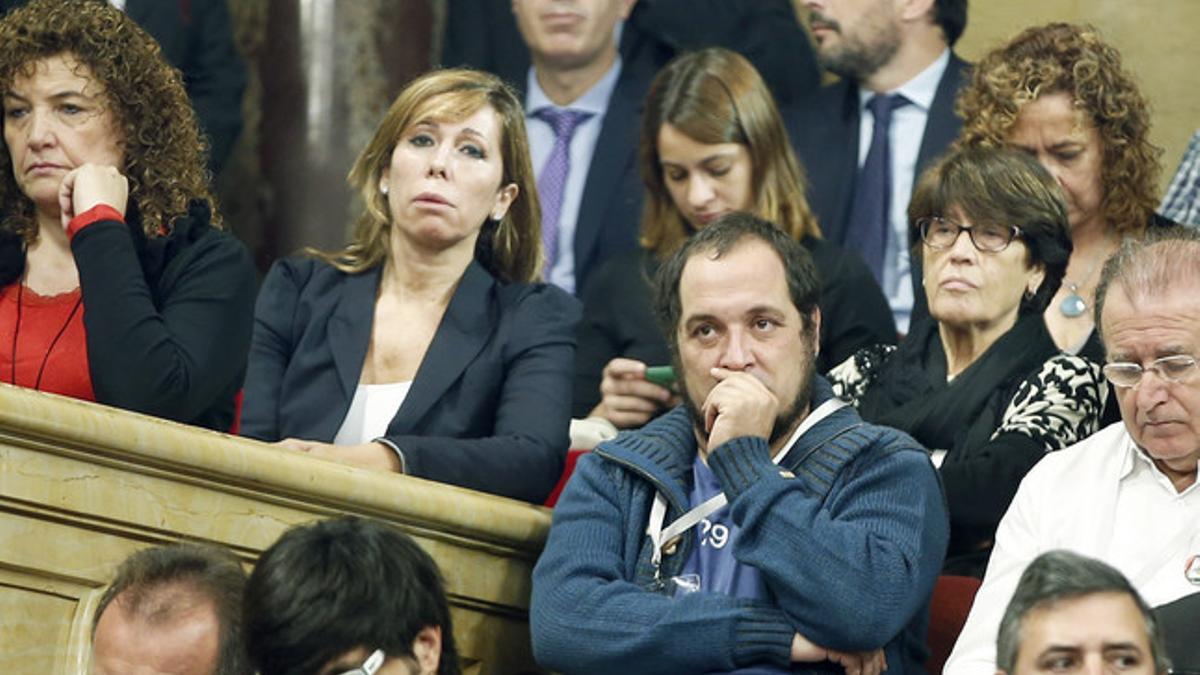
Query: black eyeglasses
point(369, 667)
point(1175, 368)
point(941, 233)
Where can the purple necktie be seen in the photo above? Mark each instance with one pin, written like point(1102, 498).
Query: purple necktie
point(552, 182)
point(870, 215)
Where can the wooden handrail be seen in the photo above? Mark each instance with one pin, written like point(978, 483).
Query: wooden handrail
point(84, 485)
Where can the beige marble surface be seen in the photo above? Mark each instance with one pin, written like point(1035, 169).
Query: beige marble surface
point(82, 486)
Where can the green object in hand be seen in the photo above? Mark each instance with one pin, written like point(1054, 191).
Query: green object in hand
point(661, 375)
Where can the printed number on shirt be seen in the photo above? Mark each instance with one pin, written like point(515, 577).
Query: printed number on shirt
point(715, 535)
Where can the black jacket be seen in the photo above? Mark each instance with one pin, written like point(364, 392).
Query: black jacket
point(168, 319)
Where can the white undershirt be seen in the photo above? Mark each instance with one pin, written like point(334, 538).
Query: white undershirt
point(371, 412)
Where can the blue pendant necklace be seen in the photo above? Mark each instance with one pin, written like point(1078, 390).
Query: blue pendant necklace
point(1074, 305)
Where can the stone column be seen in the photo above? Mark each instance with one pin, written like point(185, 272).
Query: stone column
point(322, 74)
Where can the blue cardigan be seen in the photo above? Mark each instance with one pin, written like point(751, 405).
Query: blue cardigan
point(850, 548)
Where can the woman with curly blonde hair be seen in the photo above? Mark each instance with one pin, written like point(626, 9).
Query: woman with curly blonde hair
point(1062, 94)
point(116, 281)
point(427, 345)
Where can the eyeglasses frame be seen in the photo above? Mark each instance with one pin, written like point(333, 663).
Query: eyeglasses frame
point(1154, 366)
point(923, 229)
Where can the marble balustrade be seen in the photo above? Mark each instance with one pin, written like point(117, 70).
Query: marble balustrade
point(82, 486)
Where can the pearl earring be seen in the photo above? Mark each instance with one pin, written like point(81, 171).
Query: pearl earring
point(383, 188)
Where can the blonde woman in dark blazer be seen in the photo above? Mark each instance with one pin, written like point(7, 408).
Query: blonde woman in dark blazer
point(426, 346)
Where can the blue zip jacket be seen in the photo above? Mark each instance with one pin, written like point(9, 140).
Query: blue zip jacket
point(850, 539)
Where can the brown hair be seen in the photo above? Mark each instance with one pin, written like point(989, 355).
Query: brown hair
point(716, 96)
point(1006, 187)
point(164, 151)
point(152, 582)
point(1071, 59)
point(510, 249)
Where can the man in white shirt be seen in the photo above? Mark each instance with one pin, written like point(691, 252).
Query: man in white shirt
point(860, 184)
point(1128, 494)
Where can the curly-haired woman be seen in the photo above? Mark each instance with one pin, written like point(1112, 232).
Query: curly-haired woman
point(116, 282)
point(1061, 93)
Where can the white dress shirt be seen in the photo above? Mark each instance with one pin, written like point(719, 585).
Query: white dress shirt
point(904, 139)
point(1104, 498)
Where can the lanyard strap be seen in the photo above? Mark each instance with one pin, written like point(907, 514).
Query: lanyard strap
point(658, 512)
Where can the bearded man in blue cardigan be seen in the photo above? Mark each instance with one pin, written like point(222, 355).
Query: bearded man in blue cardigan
point(760, 527)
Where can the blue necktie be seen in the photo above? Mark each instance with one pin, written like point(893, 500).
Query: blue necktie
point(552, 183)
point(867, 231)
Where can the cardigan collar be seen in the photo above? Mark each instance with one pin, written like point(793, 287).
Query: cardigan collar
point(664, 449)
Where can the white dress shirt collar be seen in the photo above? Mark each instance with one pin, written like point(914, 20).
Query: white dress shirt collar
point(1137, 465)
point(921, 89)
point(594, 100)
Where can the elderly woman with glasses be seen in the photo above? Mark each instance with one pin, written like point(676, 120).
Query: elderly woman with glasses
point(981, 383)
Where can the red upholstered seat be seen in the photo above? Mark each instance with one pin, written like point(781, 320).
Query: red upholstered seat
point(572, 457)
point(952, 598)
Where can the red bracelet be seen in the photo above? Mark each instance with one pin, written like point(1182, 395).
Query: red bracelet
point(95, 214)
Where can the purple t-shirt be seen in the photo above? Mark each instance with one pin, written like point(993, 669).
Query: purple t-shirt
point(712, 558)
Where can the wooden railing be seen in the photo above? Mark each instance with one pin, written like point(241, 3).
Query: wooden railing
point(82, 486)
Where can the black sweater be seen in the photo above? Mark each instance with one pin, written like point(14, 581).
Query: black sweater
point(168, 319)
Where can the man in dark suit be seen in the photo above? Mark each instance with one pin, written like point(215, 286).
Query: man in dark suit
point(859, 186)
point(582, 61)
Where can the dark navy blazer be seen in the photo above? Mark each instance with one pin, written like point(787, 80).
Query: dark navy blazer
point(489, 407)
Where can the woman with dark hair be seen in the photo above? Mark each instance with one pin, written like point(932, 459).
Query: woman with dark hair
point(117, 283)
point(712, 142)
point(1061, 93)
point(425, 345)
point(981, 383)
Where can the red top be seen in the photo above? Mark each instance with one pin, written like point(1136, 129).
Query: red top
point(47, 332)
point(63, 364)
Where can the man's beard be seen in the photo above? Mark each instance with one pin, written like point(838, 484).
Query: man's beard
point(855, 59)
point(785, 419)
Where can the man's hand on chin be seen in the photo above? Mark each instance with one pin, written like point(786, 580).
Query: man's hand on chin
point(739, 405)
